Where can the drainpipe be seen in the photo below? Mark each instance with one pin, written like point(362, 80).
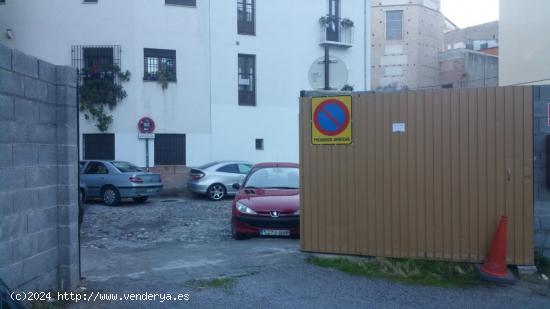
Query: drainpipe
point(366, 54)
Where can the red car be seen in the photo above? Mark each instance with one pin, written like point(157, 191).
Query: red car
point(267, 203)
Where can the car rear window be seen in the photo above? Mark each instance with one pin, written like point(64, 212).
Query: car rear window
point(126, 167)
point(207, 165)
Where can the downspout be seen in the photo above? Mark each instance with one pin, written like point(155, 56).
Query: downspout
point(366, 54)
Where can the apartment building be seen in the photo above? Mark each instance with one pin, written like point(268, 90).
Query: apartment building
point(220, 79)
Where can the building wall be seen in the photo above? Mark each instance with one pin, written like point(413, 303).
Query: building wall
point(523, 55)
point(38, 174)
point(463, 68)
point(459, 38)
point(411, 62)
point(203, 103)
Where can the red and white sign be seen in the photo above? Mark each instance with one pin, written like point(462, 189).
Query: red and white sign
point(146, 125)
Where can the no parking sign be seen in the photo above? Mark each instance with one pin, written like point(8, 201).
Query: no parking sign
point(331, 120)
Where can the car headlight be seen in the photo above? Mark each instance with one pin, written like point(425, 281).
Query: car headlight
point(245, 210)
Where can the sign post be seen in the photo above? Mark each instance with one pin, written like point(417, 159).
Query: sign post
point(146, 128)
point(331, 120)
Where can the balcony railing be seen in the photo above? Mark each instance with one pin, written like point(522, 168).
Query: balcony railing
point(336, 31)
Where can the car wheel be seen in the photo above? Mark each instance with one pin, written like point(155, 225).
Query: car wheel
point(140, 199)
point(216, 192)
point(111, 196)
point(237, 236)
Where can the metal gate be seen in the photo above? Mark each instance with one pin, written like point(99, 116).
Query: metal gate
point(434, 191)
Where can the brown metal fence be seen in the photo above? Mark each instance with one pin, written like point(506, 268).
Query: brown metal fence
point(435, 191)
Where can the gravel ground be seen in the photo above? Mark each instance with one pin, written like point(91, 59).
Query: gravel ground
point(166, 245)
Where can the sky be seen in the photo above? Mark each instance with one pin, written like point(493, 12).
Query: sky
point(466, 13)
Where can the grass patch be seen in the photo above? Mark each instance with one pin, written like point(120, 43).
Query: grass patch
point(542, 263)
point(444, 274)
point(226, 283)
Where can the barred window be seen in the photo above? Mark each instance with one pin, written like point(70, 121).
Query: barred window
point(246, 16)
point(394, 25)
point(159, 61)
point(181, 2)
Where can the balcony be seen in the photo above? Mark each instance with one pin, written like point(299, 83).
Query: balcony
point(336, 31)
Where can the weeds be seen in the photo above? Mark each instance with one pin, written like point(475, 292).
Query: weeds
point(226, 283)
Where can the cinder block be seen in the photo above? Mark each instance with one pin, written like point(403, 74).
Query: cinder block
point(6, 253)
point(67, 194)
point(25, 247)
point(544, 128)
point(42, 219)
point(5, 57)
point(12, 179)
point(544, 223)
point(66, 116)
point(540, 109)
point(544, 194)
point(25, 199)
point(34, 266)
point(47, 155)
point(68, 234)
point(66, 135)
point(25, 155)
point(46, 282)
point(68, 255)
point(6, 108)
point(11, 83)
point(24, 64)
point(40, 176)
point(540, 239)
point(47, 196)
point(67, 154)
point(67, 174)
point(41, 133)
point(69, 277)
point(6, 155)
point(51, 94)
point(47, 113)
point(66, 95)
point(26, 111)
point(12, 275)
point(545, 93)
point(46, 71)
point(66, 75)
point(36, 89)
point(47, 239)
point(68, 214)
point(6, 206)
point(13, 226)
point(13, 132)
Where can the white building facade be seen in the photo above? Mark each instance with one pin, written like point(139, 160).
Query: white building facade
point(236, 68)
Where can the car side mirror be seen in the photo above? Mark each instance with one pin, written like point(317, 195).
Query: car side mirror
point(236, 186)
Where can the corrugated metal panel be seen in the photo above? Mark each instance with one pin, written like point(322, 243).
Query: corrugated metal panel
point(436, 191)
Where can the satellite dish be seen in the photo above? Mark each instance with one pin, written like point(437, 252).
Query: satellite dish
point(338, 73)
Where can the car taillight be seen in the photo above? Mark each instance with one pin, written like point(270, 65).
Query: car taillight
point(197, 176)
point(136, 180)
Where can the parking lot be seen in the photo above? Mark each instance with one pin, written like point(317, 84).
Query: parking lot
point(183, 245)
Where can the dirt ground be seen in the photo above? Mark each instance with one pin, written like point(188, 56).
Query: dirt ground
point(183, 246)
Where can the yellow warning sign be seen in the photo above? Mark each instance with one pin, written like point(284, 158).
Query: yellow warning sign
point(331, 120)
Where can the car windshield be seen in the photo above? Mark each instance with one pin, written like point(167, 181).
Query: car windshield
point(126, 167)
point(274, 178)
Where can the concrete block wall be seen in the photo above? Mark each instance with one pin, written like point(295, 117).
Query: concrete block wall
point(38, 174)
point(541, 189)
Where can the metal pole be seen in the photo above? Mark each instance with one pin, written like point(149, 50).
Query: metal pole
point(147, 154)
point(327, 68)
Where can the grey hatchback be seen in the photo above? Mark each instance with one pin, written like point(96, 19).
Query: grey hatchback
point(216, 179)
point(114, 180)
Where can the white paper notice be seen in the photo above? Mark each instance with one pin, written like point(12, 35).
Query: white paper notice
point(398, 127)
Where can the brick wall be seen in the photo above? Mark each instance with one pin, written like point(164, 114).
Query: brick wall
point(174, 179)
point(541, 191)
point(38, 174)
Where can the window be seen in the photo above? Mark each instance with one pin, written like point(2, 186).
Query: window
point(126, 167)
point(170, 149)
point(159, 63)
point(259, 144)
point(333, 31)
point(244, 168)
point(246, 16)
point(98, 63)
point(96, 168)
point(99, 146)
point(394, 25)
point(247, 80)
point(90, 1)
point(181, 2)
point(230, 168)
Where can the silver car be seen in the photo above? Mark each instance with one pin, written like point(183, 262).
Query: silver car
point(114, 180)
point(216, 179)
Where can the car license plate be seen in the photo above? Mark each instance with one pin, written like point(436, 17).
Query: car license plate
point(152, 190)
point(274, 232)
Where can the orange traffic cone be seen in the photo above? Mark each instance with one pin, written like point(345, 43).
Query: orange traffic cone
point(494, 269)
